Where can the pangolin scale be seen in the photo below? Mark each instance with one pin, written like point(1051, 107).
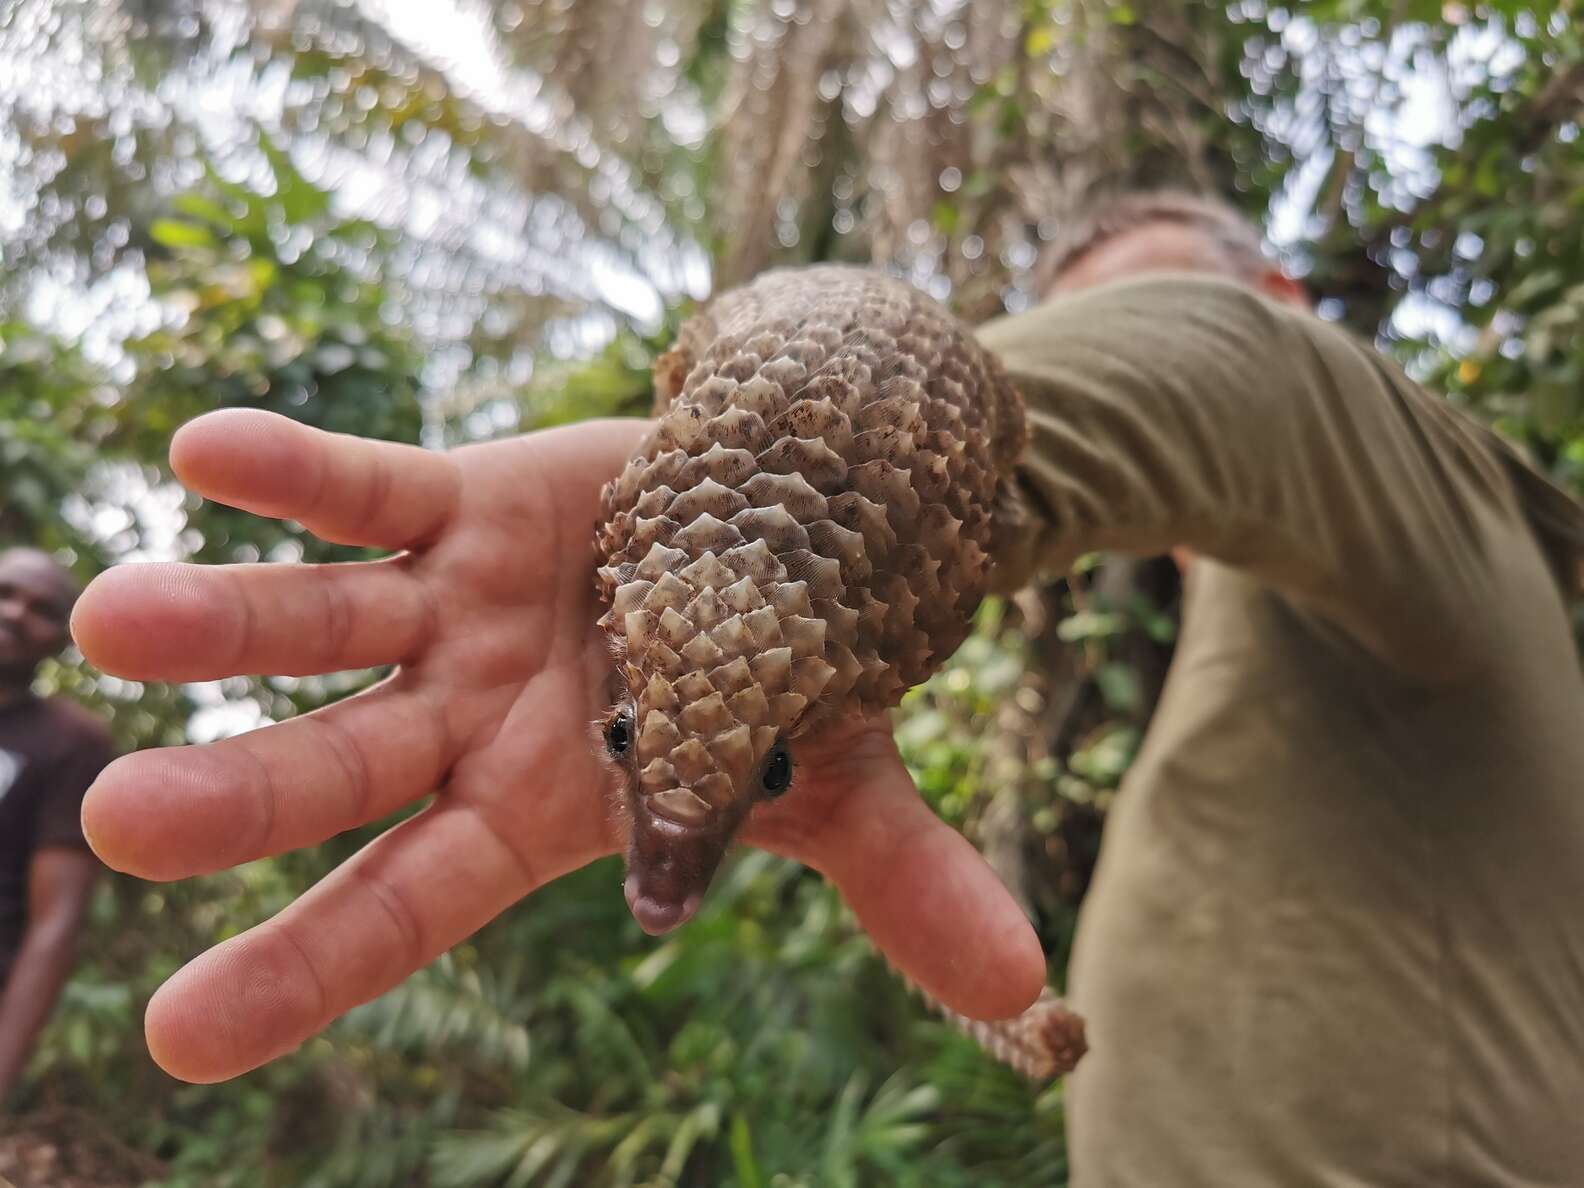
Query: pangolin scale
point(803, 536)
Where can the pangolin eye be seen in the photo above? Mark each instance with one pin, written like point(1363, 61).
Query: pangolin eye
point(777, 777)
point(618, 733)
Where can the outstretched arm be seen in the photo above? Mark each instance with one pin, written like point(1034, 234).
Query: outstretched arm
point(60, 879)
point(489, 612)
point(1190, 411)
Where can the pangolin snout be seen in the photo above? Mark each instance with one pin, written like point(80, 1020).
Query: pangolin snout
point(657, 917)
point(670, 866)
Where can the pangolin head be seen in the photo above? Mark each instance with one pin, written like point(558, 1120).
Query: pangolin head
point(719, 661)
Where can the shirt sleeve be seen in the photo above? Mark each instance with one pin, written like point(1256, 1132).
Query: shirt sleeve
point(59, 820)
point(1192, 411)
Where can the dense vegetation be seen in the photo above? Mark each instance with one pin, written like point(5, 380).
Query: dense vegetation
point(473, 224)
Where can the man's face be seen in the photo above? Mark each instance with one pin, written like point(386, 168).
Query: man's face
point(1154, 247)
point(35, 605)
point(1168, 247)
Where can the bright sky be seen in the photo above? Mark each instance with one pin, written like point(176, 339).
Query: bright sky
point(457, 37)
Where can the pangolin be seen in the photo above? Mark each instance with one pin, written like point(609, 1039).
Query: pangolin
point(802, 537)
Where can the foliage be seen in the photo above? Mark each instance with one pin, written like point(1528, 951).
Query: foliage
point(1514, 192)
point(51, 413)
point(278, 308)
point(309, 211)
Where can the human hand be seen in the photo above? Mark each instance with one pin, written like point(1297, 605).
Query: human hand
point(489, 611)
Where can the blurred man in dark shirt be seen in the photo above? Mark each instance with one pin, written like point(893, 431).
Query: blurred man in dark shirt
point(50, 751)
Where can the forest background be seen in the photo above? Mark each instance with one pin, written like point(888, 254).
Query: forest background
point(457, 220)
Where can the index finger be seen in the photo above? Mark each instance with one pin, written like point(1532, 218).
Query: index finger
point(343, 489)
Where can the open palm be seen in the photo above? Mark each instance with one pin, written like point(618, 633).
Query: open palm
point(487, 609)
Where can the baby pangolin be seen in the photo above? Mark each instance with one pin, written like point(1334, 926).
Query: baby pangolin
point(802, 537)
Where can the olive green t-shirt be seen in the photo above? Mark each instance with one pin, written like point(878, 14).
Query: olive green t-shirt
point(1336, 934)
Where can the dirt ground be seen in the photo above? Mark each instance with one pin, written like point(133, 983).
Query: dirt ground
point(68, 1149)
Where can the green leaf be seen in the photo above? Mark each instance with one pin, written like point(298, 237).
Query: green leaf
point(1119, 685)
point(202, 207)
point(301, 201)
point(702, 1122)
point(944, 217)
point(177, 233)
point(743, 1162)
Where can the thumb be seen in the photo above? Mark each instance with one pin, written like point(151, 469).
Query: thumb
point(923, 893)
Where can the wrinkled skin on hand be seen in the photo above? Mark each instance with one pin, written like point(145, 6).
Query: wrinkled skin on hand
point(486, 610)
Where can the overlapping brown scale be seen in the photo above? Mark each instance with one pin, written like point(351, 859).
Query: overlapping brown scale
point(806, 531)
